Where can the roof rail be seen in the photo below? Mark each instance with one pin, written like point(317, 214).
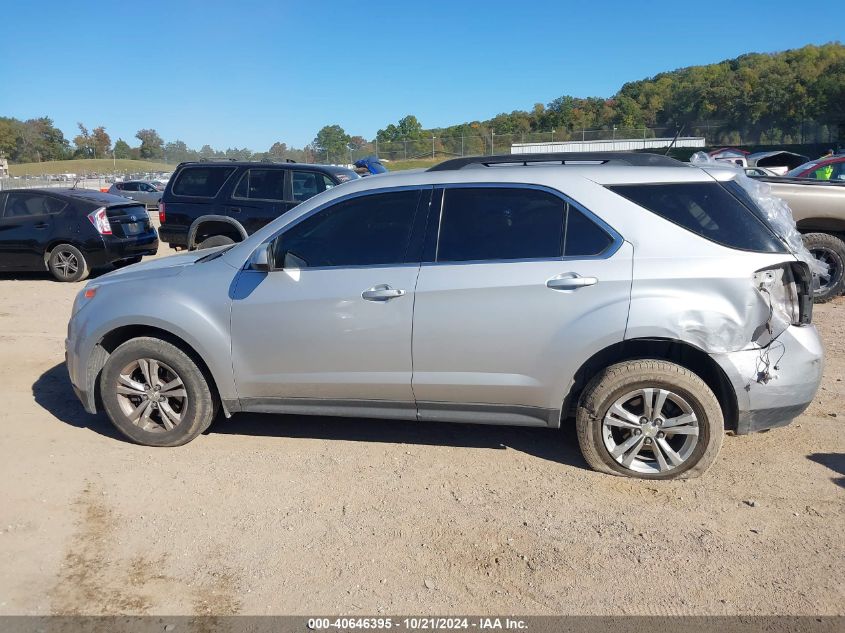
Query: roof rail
point(218, 160)
point(564, 158)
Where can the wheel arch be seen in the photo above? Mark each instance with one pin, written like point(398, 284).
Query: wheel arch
point(230, 226)
point(53, 243)
point(672, 350)
point(821, 224)
point(116, 337)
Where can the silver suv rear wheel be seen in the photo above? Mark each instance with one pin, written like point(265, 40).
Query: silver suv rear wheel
point(649, 419)
point(650, 430)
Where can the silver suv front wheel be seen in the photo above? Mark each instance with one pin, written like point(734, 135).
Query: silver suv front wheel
point(649, 419)
point(155, 394)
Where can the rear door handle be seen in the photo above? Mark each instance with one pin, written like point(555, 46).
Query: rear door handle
point(41, 225)
point(382, 292)
point(570, 281)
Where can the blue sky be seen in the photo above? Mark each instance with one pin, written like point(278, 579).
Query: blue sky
point(248, 73)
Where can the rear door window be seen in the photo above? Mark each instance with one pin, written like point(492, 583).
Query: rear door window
point(707, 209)
point(201, 182)
point(22, 205)
point(584, 238)
point(307, 184)
point(261, 184)
point(500, 223)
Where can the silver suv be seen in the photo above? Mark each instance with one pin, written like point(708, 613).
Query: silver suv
point(649, 299)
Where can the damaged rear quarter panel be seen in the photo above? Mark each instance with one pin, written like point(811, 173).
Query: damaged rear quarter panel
point(707, 300)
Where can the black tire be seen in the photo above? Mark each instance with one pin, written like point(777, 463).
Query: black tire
point(831, 250)
point(67, 263)
point(618, 382)
point(215, 240)
point(195, 413)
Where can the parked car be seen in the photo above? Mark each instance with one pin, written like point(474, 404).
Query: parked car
point(71, 231)
point(140, 190)
point(210, 204)
point(754, 172)
point(777, 162)
point(818, 208)
point(832, 168)
point(650, 299)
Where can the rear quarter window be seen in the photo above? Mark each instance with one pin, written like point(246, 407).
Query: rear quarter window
point(201, 182)
point(706, 209)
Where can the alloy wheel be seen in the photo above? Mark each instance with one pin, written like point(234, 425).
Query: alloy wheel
point(650, 431)
point(66, 264)
point(151, 395)
point(825, 256)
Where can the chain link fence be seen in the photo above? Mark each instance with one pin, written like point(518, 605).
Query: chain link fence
point(488, 141)
point(81, 181)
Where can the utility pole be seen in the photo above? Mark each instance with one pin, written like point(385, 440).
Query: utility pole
point(492, 142)
point(432, 145)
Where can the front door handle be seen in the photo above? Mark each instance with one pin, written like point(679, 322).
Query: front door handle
point(382, 292)
point(41, 225)
point(570, 281)
point(235, 209)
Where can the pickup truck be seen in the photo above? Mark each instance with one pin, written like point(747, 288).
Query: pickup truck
point(818, 207)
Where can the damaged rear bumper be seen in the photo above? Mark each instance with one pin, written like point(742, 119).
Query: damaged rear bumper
point(795, 362)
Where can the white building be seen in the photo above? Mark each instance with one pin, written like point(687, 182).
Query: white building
point(614, 145)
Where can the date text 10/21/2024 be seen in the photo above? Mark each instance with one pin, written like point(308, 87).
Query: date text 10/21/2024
point(417, 623)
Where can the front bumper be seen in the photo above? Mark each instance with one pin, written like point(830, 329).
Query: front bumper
point(795, 368)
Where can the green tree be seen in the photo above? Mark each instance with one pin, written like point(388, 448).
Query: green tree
point(83, 142)
point(152, 145)
point(100, 141)
point(122, 149)
point(179, 152)
point(9, 134)
point(331, 142)
point(278, 151)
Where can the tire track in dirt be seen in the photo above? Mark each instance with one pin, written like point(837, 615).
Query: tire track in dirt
point(94, 580)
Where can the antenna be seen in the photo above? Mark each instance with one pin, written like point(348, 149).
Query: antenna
point(675, 140)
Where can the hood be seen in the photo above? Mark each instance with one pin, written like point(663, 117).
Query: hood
point(169, 266)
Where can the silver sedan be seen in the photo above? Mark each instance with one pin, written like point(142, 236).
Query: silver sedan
point(139, 190)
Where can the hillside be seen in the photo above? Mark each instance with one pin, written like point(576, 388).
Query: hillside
point(87, 166)
point(793, 96)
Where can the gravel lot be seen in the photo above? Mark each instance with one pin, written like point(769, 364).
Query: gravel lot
point(294, 515)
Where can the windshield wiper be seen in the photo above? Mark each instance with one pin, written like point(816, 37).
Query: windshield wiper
point(208, 258)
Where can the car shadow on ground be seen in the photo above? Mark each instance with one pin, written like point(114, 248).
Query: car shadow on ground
point(54, 393)
point(551, 444)
point(834, 461)
point(46, 276)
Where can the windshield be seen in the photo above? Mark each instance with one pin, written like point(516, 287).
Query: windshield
point(795, 173)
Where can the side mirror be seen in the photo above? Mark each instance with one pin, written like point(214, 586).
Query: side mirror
point(262, 258)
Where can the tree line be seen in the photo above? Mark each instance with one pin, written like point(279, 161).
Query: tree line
point(761, 98)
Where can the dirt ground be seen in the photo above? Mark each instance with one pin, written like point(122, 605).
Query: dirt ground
point(295, 515)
